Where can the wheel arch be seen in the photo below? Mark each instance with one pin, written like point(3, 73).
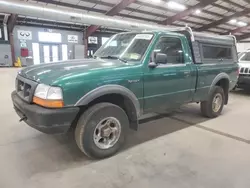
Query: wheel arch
point(115, 94)
point(222, 80)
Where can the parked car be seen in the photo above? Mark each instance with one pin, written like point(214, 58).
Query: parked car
point(131, 74)
point(244, 74)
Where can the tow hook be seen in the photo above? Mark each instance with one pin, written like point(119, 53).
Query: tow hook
point(23, 118)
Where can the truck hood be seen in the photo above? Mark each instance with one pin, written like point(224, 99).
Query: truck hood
point(51, 72)
point(244, 64)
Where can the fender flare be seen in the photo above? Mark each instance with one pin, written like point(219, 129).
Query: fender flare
point(110, 89)
point(219, 77)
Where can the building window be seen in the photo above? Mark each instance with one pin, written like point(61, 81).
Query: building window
point(46, 54)
point(1, 33)
point(64, 52)
point(49, 37)
point(104, 40)
point(55, 53)
point(36, 53)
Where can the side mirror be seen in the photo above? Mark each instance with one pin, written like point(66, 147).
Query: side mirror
point(161, 58)
point(152, 65)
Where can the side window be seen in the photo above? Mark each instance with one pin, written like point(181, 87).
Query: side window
point(216, 52)
point(172, 48)
point(245, 56)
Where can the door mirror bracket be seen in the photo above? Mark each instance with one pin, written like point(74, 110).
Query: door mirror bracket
point(152, 65)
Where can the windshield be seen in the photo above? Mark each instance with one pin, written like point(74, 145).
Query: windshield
point(244, 56)
point(127, 47)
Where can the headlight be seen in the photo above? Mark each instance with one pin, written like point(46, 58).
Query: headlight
point(42, 91)
point(46, 92)
point(48, 96)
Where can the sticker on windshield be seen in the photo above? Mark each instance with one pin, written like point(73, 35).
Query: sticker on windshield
point(144, 36)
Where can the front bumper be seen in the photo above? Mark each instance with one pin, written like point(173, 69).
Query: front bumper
point(50, 121)
point(243, 82)
point(232, 85)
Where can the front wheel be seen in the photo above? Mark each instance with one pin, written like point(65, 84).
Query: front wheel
point(101, 130)
point(215, 103)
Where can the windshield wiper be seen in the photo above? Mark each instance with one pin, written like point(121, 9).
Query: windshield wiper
point(114, 57)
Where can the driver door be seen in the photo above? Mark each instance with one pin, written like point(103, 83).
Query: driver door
point(169, 84)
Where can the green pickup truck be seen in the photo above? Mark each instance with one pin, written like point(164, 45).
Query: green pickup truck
point(132, 74)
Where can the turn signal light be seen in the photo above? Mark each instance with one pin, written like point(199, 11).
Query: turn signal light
point(48, 103)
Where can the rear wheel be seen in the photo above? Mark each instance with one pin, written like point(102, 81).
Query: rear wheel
point(101, 130)
point(215, 103)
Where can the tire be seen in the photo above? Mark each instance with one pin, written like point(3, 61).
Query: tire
point(207, 106)
point(87, 129)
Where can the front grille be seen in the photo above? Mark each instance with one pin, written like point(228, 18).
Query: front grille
point(242, 70)
point(245, 71)
point(25, 88)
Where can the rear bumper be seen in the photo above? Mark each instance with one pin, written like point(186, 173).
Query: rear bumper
point(243, 82)
point(50, 121)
